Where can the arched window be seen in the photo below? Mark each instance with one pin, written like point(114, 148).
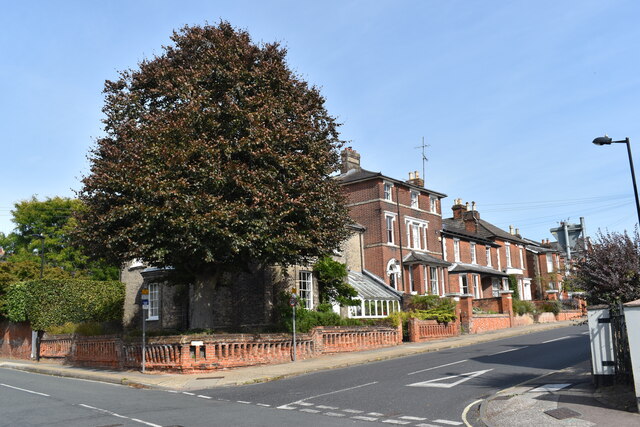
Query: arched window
point(393, 271)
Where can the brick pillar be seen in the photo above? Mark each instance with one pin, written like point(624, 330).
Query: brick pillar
point(466, 312)
point(413, 330)
point(506, 305)
point(552, 295)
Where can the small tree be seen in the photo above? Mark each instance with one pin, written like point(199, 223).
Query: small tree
point(610, 269)
point(216, 155)
point(332, 282)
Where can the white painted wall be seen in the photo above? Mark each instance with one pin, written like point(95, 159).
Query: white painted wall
point(601, 341)
point(632, 320)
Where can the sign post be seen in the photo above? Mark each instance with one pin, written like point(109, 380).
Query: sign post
point(145, 308)
point(293, 301)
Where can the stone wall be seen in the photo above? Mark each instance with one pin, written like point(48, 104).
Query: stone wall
point(524, 320)
point(15, 340)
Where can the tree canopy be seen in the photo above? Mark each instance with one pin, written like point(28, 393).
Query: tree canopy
point(215, 155)
point(610, 270)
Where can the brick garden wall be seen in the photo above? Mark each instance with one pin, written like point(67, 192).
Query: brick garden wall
point(15, 340)
point(487, 304)
point(489, 322)
point(425, 330)
point(568, 315)
point(524, 320)
point(212, 352)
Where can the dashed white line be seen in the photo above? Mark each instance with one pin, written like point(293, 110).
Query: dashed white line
point(413, 418)
point(172, 391)
point(557, 339)
point(333, 414)
point(244, 402)
point(390, 421)
point(305, 404)
point(363, 418)
point(448, 422)
point(352, 411)
point(326, 407)
point(426, 425)
point(25, 390)
point(436, 367)
point(188, 394)
point(201, 396)
point(263, 404)
point(375, 414)
point(286, 407)
point(311, 411)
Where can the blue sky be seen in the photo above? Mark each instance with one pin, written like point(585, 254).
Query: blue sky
point(509, 95)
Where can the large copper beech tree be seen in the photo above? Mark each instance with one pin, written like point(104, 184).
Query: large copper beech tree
point(215, 156)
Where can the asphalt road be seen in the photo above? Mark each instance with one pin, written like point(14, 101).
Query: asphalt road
point(431, 389)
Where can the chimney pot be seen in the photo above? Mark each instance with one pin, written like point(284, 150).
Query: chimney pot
point(511, 229)
point(467, 205)
point(350, 160)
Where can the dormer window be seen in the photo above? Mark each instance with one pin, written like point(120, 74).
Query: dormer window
point(387, 191)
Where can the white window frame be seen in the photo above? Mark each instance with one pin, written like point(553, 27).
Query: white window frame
point(415, 229)
point(456, 250)
point(153, 312)
point(375, 308)
point(415, 196)
point(505, 284)
point(463, 278)
point(472, 249)
point(433, 280)
point(433, 204)
point(393, 270)
point(390, 220)
point(488, 255)
point(521, 250)
point(549, 262)
point(305, 288)
point(495, 287)
point(412, 283)
point(557, 261)
point(387, 190)
point(507, 248)
point(499, 260)
point(444, 247)
point(477, 292)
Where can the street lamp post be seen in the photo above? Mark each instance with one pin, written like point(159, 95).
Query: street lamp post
point(606, 140)
point(35, 353)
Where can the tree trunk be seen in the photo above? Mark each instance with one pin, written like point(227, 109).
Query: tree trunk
point(201, 313)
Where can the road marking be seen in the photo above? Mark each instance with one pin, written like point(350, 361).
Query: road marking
point(326, 407)
point(437, 384)
point(436, 367)
point(508, 351)
point(363, 418)
point(425, 425)
point(287, 407)
point(187, 393)
point(549, 388)
point(201, 396)
point(375, 414)
point(586, 333)
point(264, 404)
point(305, 404)
point(105, 411)
point(172, 391)
point(334, 392)
point(352, 411)
point(311, 411)
point(333, 414)
point(413, 418)
point(557, 339)
point(466, 411)
point(25, 390)
point(451, 423)
point(396, 422)
point(244, 401)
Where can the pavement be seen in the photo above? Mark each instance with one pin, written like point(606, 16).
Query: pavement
point(523, 405)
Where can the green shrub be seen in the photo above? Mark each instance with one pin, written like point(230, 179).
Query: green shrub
point(47, 303)
point(551, 307)
point(521, 307)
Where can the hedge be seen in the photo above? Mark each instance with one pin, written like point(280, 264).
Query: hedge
point(46, 303)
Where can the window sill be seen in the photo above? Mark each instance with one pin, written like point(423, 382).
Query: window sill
point(152, 318)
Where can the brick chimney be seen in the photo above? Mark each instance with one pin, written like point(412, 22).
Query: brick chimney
point(350, 160)
point(414, 179)
point(458, 209)
point(471, 217)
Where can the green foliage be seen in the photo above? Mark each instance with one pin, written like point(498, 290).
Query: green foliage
point(610, 270)
point(425, 307)
point(308, 319)
point(551, 307)
point(215, 155)
point(333, 287)
point(49, 303)
point(513, 285)
point(521, 307)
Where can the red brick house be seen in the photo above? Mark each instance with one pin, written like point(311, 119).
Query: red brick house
point(547, 268)
point(482, 255)
point(402, 221)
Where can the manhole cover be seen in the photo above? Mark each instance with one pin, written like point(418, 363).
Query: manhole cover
point(562, 413)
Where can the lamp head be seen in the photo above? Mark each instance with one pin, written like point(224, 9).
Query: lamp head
point(602, 140)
